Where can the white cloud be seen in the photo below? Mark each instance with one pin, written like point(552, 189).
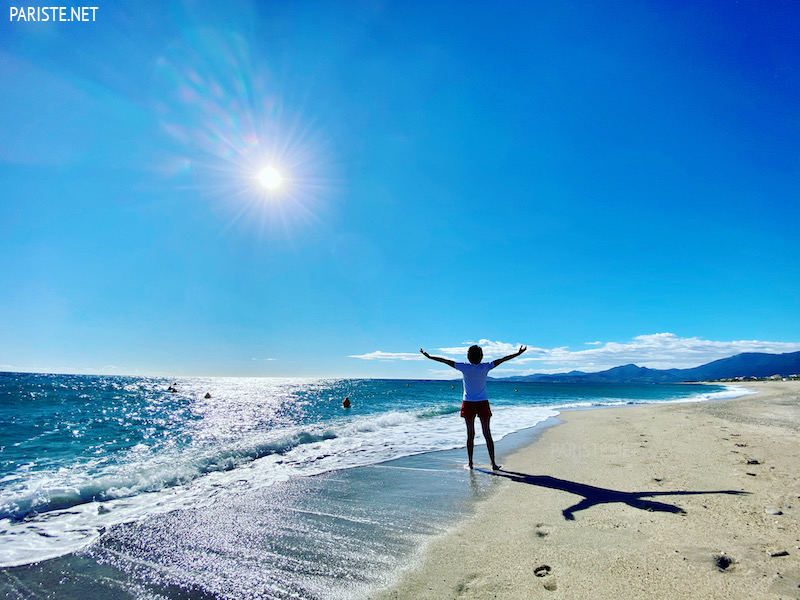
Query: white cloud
point(656, 351)
point(380, 355)
point(490, 349)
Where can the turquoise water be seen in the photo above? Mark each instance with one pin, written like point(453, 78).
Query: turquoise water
point(117, 470)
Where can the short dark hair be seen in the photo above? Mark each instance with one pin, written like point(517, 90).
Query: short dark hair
point(475, 354)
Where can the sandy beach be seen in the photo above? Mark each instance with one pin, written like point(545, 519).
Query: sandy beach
point(696, 500)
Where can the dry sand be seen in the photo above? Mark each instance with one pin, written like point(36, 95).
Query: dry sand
point(672, 501)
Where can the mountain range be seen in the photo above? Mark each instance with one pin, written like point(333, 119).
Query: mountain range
point(747, 364)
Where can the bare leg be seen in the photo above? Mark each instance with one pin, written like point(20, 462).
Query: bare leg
point(487, 435)
point(470, 438)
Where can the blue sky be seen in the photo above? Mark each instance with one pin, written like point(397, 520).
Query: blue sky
point(607, 182)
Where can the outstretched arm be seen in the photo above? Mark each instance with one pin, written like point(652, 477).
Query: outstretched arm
point(510, 356)
point(446, 361)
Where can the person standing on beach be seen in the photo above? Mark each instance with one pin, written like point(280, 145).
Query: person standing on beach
point(476, 400)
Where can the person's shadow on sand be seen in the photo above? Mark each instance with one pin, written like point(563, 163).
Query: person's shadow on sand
point(596, 495)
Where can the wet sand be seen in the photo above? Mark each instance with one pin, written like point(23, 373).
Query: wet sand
point(673, 501)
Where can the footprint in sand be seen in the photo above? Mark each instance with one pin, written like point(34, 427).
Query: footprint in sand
point(549, 582)
point(463, 586)
point(542, 530)
point(722, 562)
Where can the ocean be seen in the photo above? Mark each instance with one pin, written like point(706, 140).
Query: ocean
point(120, 487)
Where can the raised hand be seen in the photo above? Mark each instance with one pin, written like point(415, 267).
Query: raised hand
point(446, 361)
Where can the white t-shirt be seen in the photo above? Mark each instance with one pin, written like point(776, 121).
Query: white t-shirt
point(475, 380)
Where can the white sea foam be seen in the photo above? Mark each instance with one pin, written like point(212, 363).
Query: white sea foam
point(56, 513)
point(730, 392)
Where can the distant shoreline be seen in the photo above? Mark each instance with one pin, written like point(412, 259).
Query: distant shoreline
point(747, 366)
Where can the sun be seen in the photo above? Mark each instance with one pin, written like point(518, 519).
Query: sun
point(270, 178)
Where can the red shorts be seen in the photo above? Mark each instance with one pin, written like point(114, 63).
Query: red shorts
point(469, 410)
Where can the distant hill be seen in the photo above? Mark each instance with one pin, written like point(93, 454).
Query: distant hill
point(747, 364)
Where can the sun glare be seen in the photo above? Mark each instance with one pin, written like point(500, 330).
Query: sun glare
point(270, 178)
point(243, 145)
